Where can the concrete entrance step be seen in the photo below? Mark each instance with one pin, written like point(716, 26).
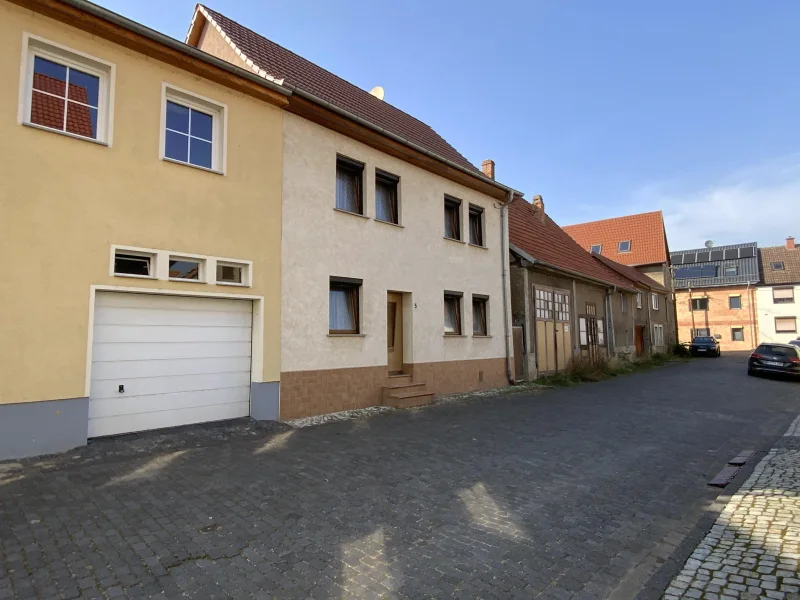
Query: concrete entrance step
point(407, 399)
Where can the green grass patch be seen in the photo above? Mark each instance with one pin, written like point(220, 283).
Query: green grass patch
point(583, 370)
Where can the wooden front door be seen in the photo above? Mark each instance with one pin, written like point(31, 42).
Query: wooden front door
point(639, 340)
point(553, 337)
point(394, 332)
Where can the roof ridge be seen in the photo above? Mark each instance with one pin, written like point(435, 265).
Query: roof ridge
point(331, 73)
point(650, 212)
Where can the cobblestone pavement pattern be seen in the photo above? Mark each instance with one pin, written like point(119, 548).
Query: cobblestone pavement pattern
point(754, 547)
point(571, 493)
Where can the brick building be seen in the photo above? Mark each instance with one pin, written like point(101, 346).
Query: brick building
point(715, 294)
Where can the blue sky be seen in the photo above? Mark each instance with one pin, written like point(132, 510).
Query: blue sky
point(604, 108)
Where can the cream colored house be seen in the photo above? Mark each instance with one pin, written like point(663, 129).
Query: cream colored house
point(394, 284)
point(141, 204)
point(778, 294)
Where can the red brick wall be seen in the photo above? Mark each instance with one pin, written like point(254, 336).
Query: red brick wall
point(719, 318)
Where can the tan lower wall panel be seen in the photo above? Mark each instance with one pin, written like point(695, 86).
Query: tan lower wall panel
point(309, 393)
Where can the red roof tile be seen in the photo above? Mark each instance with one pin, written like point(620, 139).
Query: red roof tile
point(295, 70)
point(631, 273)
point(782, 254)
point(645, 231)
point(547, 242)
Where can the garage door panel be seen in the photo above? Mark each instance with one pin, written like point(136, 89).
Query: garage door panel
point(109, 388)
point(133, 369)
point(156, 334)
point(165, 302)
point(115, 352)
point(176, 316)
point(137, 405)
point(113, 425)
point(182, 360)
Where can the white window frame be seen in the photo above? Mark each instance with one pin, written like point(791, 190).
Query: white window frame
point(658, 334)
point(599, 248)
point(219, 115)
point(654, 300)
point(152, 255)
point(160, 266)
point(32, 46)
point(638, 299)
point(619, 246)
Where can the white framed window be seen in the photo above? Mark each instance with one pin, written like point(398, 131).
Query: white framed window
point(658, 335)
point(193, 129)
point(639, 300)
point(65, 91)
point(596, 249)
point(133, 263)
point(655, 301)
point(166, 265)
point(624, 246)
point(623, 303)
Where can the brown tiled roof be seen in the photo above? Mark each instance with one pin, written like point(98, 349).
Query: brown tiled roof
point(547, 242)
point(790, 260)
point(295, 70)
point(631, 273)
point(645, 232)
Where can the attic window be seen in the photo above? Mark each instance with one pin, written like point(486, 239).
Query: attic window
point(596, 249)
point(624, 246)
point(731, 271)
point(778, 266)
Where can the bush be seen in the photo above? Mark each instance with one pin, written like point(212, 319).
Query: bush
point(680, 351)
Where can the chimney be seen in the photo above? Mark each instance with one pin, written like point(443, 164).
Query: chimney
point(790, 243)
point(538, 207)
point(487, 167)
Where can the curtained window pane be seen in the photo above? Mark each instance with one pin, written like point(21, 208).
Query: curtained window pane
point(348, 186)
point(452, 219)
point(479, 324)
point(476, 226)
point(386, 199)
point(452, 315)
point(343, 308)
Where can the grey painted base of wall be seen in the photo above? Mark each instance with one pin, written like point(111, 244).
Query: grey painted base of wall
point(34, 428)
point(265, 400)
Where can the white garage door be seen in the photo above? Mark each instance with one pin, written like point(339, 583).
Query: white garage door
point(180, 359)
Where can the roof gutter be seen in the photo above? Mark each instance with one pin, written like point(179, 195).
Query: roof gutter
point(536, 261)
point(332, 107)
point(160, 38)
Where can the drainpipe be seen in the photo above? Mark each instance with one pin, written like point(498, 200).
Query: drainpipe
point(504, 258)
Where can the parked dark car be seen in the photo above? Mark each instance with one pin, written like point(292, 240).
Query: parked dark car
point(783, 359)
point(795, 342)
point(704, 346)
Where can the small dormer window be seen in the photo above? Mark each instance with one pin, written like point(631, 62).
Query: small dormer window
point(624, 246)
point(731, 271)
point(596, 249)
point(778, 266)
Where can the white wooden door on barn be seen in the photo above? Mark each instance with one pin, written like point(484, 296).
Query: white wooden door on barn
point(179, 360)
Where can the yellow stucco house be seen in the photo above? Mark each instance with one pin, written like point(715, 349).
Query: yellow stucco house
point(218, 228)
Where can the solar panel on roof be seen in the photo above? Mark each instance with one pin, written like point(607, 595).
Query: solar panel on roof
point(731, 253)
point(717, 255)
point(748, 252)
point(702, 257)
point(677, 259)
point(689, 258)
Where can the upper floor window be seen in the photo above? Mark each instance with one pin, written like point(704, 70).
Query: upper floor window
point(386, 203)
point(783, 295)
point(625, 246)
point(699, 304)
point(596, 249)
point(735, 302)
point(623, 303)
point(475, 225)
point(193, 130)
point(639, 300)
point(778, 266)
point(349, 188)
point(731, 271)
point(452, 218)
point(696, 272)
point(66, 91)
point(655, 301)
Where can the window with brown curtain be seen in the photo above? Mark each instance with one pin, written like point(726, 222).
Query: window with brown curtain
point(452, 219)
point(349, 195)
point(479, 323)
point(785, 324)
point(386, 205)
point(343, 302)
point(475, 225)
point(782, 295)
point(452, 313)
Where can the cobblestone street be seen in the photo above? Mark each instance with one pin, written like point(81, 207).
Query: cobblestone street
point(596, 491)
point(754, 547)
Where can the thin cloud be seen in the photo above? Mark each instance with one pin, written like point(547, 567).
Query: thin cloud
point(758, 204)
